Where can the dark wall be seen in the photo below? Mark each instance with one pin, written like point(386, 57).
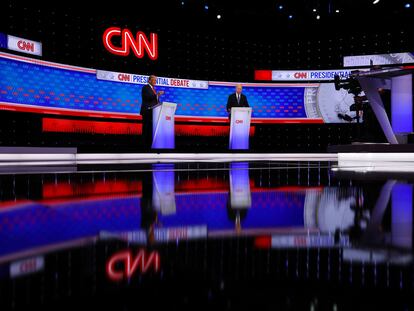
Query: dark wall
point(194, 44)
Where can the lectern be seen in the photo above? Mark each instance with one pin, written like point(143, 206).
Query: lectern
point(240, 128)
point(163, 136)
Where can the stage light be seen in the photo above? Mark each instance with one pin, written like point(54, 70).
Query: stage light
point(318, 17)
point(337, 11)
point(407, 5)
point(280, 7)
point(290, 16)
point(206, 7)
point(219, 16)
point(314, 10)
point(182, 2)
point(375, 1)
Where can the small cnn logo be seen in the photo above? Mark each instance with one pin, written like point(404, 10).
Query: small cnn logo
point(300, 75)
point(239, 121)
point(26, 46)
point(124, 264)
point(168, 118)
point(124, 77)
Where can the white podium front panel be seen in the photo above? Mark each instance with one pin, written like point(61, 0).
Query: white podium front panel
point(240, 128)
point(163, 135)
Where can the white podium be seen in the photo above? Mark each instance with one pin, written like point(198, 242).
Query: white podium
point(163, 136)
point(240, 128)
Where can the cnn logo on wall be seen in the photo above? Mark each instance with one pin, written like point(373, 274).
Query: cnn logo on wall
point(140, 44)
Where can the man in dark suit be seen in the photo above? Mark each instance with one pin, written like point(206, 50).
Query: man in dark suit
point(149, 101)
point(237, 99)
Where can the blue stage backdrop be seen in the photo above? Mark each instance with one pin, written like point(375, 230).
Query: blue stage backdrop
point(33, 85)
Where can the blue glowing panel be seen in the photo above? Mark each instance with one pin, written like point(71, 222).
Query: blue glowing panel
point(270, 209)
point(37, 225)
point(276, 209)
point(51, 87)
point(3, 40)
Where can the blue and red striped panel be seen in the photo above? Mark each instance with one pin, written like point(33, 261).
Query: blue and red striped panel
point(40, 86)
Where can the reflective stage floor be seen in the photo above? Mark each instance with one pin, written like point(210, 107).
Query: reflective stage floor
point(257, 235)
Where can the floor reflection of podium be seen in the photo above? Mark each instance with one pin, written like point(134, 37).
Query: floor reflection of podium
point(240, 199)
point(240, 195)
point(163, 195)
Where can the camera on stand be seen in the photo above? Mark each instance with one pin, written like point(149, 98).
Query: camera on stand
point(353, 87)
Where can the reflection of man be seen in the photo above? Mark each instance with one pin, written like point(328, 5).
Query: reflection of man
point(240, 196)
point(237, 99)
point(149, 101)
point(236, 215)
point(149, 217)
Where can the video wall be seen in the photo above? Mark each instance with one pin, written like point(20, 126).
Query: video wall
point(33, 85)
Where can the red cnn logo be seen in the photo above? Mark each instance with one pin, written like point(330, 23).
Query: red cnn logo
point(300, 75)
point(140, 44)
point(124, 77)
point(23, 45)
point(130, 264)
point(239, 121)
point(28, 266)
point(168, 118)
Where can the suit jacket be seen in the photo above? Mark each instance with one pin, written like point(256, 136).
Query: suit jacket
point(232, 101)
point(149, 99)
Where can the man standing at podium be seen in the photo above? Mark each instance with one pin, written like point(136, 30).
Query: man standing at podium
point(150, 99)
point(237, 99)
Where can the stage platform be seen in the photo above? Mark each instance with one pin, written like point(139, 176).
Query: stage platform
point(70, 156)
point(356, 157)
point(371, 148)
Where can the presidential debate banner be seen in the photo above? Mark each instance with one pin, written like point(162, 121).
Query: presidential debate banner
point(143, 79)
point(301, 75)
point(38, 86)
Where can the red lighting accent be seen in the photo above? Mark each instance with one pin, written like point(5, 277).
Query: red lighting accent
point(90, 127)
point(263, 242)
point(64, 189)
point(142, 262)
point(205, 130)
point(263, 75)
point(202, 184)
point(134, 116)
point(297, 189)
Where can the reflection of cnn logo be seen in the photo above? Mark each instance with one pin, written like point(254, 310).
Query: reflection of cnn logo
point(239, 121)
point(139, 44)
point(123, 265)
point(168, 118)
point(25, 46)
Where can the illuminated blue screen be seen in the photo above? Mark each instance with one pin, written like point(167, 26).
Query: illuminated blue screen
point(45, 85)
